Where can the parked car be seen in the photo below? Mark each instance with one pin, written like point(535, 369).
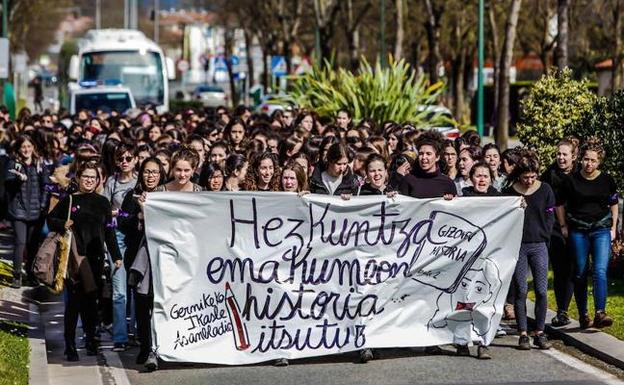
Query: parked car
point(271, 103)
point(106, 98)
point(445, 122)
point(210, 95)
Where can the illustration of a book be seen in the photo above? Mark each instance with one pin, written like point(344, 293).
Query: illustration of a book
point(239, 329)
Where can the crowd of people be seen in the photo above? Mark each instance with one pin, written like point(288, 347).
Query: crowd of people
point(92, 173)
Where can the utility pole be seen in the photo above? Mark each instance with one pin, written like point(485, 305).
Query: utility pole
point(382, 38)
point(126, 14)
point(5, 18)
point(480, 95)
point(156, 21)
point(98, 14)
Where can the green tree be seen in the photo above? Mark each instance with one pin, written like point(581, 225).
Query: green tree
point(606, 121)
point(555, 107)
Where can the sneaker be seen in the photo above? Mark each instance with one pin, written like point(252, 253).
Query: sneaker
point(366, 355)
point(585, 322)
point(524, 343)
point(483, 353)
point(119, 347)
point(433, 350)
point(17, 283)
point(561, 319)
point(508, 312)
point(152, 362)
point(463, 350)
point(602, 320)
point(500, 332)
point(541, 341)
point(280, 362)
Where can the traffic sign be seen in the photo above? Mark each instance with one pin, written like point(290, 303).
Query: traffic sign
point(220, 64)
point(278, 66)
point(183, 65)
point(4, 58)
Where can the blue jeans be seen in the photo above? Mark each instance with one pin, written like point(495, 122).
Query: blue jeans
point(598, 243)
point(120, 329)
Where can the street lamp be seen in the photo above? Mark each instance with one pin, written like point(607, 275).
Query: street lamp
point(382, 38)
point(480, 96)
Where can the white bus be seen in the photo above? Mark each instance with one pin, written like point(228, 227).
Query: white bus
point(128, 57)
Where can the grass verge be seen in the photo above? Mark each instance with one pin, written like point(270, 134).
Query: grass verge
point(615, 303)
point(6, 274)
point(14, 353)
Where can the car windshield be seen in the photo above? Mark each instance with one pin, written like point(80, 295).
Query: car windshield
point(140, 71)
point(209, 89)
point(106, 101)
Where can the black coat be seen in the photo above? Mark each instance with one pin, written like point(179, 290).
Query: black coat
point(348, 185)
point(131, 226)
point(27, 200)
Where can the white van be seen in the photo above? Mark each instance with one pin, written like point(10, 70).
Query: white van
point(104, 98)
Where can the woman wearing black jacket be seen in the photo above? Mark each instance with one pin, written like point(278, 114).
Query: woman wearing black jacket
point(91, 224)
point(376, 177)
point(335, 178)
point(130, 223)
point(559, 248)
point(25, 182)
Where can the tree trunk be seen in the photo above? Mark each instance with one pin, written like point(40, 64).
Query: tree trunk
point(432, 26)
point(352, 33)
point(250, 67)
point(616, 79)
point(497, 54)
point(459, 65)
point(325, 15)
point(562, 33)
point(502, 128)
point(398, 45)
point(265, 68)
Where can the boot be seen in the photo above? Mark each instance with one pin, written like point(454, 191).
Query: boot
point(71, 353)
point(602, 320)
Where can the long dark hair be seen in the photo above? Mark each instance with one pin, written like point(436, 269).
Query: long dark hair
point(207, 172)
point(140, 186)
point(251, 179)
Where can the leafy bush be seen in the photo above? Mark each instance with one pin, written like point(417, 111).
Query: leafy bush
point(392, 93)
point(606, 121)
point(555, 106)
point(177, 106)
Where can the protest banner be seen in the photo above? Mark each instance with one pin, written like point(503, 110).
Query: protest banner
point(247, 277)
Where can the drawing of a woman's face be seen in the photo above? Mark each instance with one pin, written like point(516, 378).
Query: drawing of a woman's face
point(473, 290)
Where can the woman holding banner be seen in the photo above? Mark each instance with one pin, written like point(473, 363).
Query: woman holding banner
point(538, 222)
point(183, 165)
point(335, 176)
point(151, 175)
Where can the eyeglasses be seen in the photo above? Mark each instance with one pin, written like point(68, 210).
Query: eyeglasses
point(125, 159)
point(151, 172)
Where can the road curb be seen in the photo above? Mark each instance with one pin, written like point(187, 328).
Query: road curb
point(38, 366)
point(590, 341)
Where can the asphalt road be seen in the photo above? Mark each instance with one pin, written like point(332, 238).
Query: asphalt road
point(394, 366)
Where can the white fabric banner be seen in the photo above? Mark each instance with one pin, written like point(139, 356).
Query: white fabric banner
point(241, 278)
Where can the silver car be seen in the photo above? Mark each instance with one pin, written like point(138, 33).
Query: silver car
point(210, 96)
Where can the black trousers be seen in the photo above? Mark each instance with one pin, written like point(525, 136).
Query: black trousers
point(144, 306)
point(562, 262)
point(27, 235)
point(80, 304)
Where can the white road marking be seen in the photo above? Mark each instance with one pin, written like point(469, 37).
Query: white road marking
point(575, 363)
